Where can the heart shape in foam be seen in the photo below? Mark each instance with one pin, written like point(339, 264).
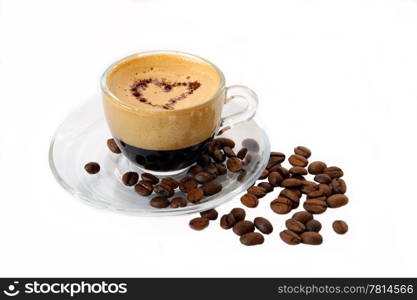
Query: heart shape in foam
point(140, 86)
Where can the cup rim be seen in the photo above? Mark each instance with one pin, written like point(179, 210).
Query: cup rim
point(106, 90)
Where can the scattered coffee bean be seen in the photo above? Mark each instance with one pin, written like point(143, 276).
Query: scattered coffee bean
point(170, 181)
point(195, 169)
point(242, 153)
point(111, 144)
point(234, 164)
point(92, 168)
point(299, 177)
point(325, 189)
point(144, 188)
point(252, 239)
point(313, 225)
point(309, 186)
point(258, 191)
point(187, 184)
point(130, 178)
point(273, 161)
point(291, 182)
point(278, 154)
point(199, 223)
point(210, 214)
point(337, 200)
point(289, 237)
point(264, 174)
point(221, 169)
point(295, 226)
point(322, 178)
point(159, 202)
point(298, 171)
point(298, 160)
point(164, 190)
point(290, 194)
point(315, 194)
point(315, 206)
point(211, 188)
point(212, 170)
point(229, 152)
point(266, 186)
point(203, 177)
point(227, 221)
point(333, 172)
point(243, 227)
point(263, 225)
point(178, 202)
point(303, 151)
point(311, 238)
point(340, 227)
point(339, 186)
point(249, 200)
point(275, 178)
point(219, 156)
point(316, 167)
point(224, 142)
point(149, 177)
point(302, 216)
point(281, 170)
point(281, 205)
point(238, 213)
point(195, 195)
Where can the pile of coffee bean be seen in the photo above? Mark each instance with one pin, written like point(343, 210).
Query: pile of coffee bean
point(302, 228)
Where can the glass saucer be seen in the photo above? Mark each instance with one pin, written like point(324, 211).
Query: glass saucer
point(81, 138)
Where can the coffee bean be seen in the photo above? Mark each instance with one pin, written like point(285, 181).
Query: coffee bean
point(242, 153)
point(203, 177)
point(299, 177)
point(273, 160)
point(252, 239)
point(130, 178)
point(315, 206)
point(243, 227)
point(314, 194)
point(298, 160)
point(149, 177)
point(298, 171)
point(339, 186)
point(281, 205)
point(195, 170)
point(210, 214)
point(111, 144)
point(313, 225)
point(187, 184)
point(278, 154)
point(322, 178)
point(163, 189)
point(251, 144)
point(295, 226)
point(289, 237)
point(219, 156)
point(234, 164)
point(340, 227)
point(266, 186)
point(195, 195)
point(275, 178)
point(92, 168)
point(229, 152)
point(325, 189)
point(337, 200)
point(238, 213)
point(212, 170)
point(281, 170)
point(311, 238)
point(227, 221)
point(159, 202)
point(170, 181)
point(211, 188)
point(264, 174)
point(258, 191)
point(316, 167)
point(249, 200)
point(263, 225)
point(303, 151)
point(224, 142)
point(302, 216)
point(204, 160)
point(144, 188)
point(309, 186)
point(199, 223)
point(242, 175)
point(178, 202)
point(291, 182)
point(333, 172)
point(290, 194)
point(221, 169)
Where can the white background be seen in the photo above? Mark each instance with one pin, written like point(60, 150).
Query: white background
point(337, 76)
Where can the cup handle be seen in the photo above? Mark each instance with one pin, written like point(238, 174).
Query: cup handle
point(234, 92)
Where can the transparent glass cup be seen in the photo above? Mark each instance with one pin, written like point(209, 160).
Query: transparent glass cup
point(172, 140)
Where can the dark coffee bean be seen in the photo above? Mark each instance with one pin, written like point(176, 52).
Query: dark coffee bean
point(203, 177)
point(224, 142)
point(243, 227)
point(303, 151)
point(204, 160)
point(249, 200)
point(266, 186)
point(337, 200)
point(144, 188)
point(315, 194)
point(316, 167)
point(227, 221)
point(309, 186)
point(170, 181)
point(313, 225)
point(111, 144)
point(263, 225)
point(281, 205)
point(264, 174)
point(275, 178)
point(199, 223)
point(178, 202)
point(302, 216)
point(325, 189)
point(333, 172)
point(229, 152)
point(278, 154)
point(298, 171)
point(219, 156)
point(195, 170)
point(242, 153)
point(298, 160)
point(130, 178)
point(315, 206)
point(211, 147)
point(311, 238)
point(238, 213)
point(281, 170)
point(163, 189)
point(322, 178)
point(92, 168)
point(252, 239)
point(340, 227)
point(273, 160)
point(251, 144)
point(159, 202)
point(299, 177)
point(234, 164)
point(290, 194)
point(212, 170)
point(211, 188)
point(339, 186)
point(289, 237)
point(210, 214)
point(149, 177)
point(195, 195)
point(291, 182)
point(221, 169)
point(187, 184)
point(295, 226)
point(258, 191)
point(242, 175)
